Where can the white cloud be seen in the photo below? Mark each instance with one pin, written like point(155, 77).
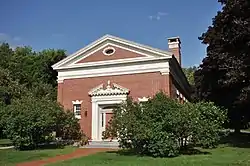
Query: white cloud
point(157, 16)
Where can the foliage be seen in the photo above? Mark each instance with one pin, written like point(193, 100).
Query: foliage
point(209, 126)
point(30, 121)
point(5, 54)
point(224, 75)
point(163, 127)
point(29, 70)
point(189, 73)
point(68, 127)
point(9, 88)
point(26, 75)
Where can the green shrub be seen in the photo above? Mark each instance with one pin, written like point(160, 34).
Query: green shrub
point(30, 121)
point(210, 124)
point(162, 127)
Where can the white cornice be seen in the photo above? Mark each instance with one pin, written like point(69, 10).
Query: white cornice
point(114, 62)
point(161, 66)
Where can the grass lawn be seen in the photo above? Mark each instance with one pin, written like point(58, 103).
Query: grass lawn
point(10, 156)
point(222, 156)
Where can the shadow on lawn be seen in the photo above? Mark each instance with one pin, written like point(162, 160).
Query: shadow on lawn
point(43, 147)
point(241, 140)
point(183, 152)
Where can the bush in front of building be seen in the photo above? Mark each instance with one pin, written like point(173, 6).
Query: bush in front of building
point(162, 127)
point(30, 122)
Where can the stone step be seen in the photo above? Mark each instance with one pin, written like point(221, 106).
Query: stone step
point(102, 144)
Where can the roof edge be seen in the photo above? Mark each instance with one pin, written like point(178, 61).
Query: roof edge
point(114, 38)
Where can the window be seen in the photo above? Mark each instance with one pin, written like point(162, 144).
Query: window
point(109, 51)
point(77, 109)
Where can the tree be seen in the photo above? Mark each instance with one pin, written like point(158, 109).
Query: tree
point(31, 67)
point(28, 109)
point(189, 73)
point(9, 88)
point(45, 59)
point(224, 75)
point(5, 55)
point(163, 127)
point(30, 70)
point(30, 121)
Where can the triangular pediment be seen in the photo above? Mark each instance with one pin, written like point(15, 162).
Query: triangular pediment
point(109, 90)
point(95, 53)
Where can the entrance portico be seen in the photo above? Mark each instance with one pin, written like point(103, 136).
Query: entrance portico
point(104, 99)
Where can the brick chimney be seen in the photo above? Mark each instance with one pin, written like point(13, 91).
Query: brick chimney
point(174, 45)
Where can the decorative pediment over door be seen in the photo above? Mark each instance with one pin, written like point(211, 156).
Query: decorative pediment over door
point(109, 90)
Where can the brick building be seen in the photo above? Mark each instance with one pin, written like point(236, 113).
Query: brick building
point(101, 75)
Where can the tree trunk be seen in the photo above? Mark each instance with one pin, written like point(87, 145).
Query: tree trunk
point(237, 129)
point(237, 122)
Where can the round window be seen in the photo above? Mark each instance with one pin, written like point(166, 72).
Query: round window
point(109, 51)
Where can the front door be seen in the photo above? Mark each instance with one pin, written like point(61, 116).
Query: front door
point(106, 114)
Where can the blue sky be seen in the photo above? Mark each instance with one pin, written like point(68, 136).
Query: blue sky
point(73, 24)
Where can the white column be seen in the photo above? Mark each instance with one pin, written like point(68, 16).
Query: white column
point(95, 113)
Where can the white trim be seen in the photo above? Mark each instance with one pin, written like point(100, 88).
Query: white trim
point(143, 99)
point(143, 67)
point(115, 39)
point(78, 117)
point(108, 99)
point(96, 102)
point(114, 89)
point(108, 48)
point(174, 45)
point(59, 81)
point(77, 102)
point(76, 62)
point(115, 62)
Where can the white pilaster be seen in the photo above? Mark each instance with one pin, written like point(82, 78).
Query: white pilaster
point(95, 118)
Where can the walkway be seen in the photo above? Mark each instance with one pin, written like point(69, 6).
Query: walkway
point(75, 154)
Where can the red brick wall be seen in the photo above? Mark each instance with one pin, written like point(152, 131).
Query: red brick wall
point(60, 92)
point(140, 85)
point(119, 54)
point(172, 87)
point(177, 54)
